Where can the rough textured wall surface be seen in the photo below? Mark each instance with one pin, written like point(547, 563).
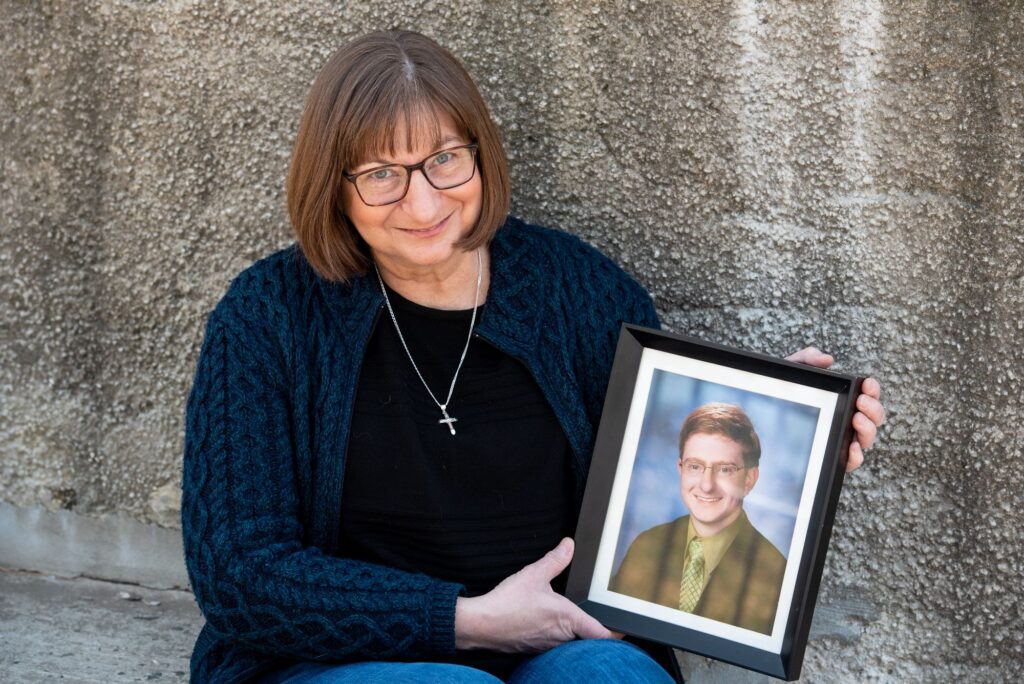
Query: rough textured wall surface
point(840, 173)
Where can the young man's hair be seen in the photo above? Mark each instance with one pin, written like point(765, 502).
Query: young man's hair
point(727, 420)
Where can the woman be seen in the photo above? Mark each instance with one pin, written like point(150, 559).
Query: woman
point(391, 422)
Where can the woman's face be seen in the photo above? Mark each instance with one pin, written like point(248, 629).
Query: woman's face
point(415, 236)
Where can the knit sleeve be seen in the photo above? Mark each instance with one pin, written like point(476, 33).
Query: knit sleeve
point(256, 582)
point(612, 297)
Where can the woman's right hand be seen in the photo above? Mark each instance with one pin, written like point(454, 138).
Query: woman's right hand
point(523, 614)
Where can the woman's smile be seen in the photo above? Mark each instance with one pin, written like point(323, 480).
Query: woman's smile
point(430, 231)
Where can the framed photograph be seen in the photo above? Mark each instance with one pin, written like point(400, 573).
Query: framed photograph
point(710, 499)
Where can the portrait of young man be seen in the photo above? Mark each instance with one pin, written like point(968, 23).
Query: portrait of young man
point(711, 562)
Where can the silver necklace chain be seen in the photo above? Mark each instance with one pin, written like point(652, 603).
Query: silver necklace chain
point(447, 420)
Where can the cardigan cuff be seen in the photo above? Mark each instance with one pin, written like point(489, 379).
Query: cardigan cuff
point(441, 616)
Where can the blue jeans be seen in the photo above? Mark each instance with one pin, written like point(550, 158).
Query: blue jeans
point(594, 661)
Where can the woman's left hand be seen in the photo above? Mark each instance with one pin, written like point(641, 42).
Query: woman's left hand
point(870, 413)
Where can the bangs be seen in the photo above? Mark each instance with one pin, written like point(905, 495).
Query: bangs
point(381, 96)
point(401, 119)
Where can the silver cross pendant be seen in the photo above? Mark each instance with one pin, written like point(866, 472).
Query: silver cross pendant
point(447, 419)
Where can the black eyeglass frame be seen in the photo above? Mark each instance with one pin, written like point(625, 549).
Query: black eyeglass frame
point(409, 168)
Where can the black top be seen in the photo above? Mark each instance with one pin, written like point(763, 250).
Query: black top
point(474, 507)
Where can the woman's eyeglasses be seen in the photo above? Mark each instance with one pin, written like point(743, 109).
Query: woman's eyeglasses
point(388, 184)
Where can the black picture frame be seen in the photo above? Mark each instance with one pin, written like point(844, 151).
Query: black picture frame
point(646, 358)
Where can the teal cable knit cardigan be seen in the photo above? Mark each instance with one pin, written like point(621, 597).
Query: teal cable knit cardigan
point(267, 428)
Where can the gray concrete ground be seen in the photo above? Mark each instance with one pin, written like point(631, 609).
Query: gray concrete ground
point(88, 631)
point(85, 630)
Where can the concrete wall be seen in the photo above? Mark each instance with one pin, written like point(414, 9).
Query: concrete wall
point(840, 173)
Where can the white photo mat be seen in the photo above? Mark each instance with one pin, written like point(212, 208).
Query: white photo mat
point(652, 360)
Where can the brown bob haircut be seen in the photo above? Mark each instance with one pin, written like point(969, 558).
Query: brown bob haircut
point(727, 420)
point(369, 88)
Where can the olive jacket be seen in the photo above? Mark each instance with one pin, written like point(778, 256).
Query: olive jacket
point(743, 590)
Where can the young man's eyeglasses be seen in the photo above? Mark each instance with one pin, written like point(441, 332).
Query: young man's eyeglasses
point(695, 469)
point(388, 184)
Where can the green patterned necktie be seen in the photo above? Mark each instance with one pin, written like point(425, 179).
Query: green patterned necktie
point(692, 583)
